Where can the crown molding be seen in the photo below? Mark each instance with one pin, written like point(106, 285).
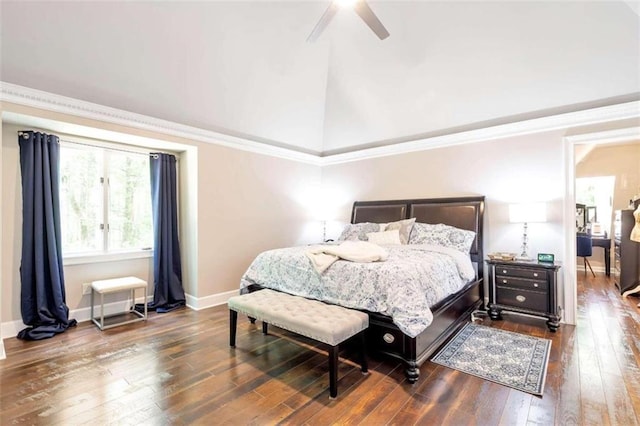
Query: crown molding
point(51, 102)
point(561, 121)
point(610, 136)
point(26, 96)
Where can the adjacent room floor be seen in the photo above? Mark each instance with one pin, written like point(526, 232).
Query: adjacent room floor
point(177, 368)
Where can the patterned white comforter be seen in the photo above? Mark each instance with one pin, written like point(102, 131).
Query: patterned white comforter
point(413, 278)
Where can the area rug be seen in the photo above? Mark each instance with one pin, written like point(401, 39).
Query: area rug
point(504, 357)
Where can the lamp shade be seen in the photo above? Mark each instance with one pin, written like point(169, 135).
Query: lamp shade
point(527, 212)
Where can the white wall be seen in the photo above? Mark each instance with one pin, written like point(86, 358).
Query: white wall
point(527, 168)
point(2, 353)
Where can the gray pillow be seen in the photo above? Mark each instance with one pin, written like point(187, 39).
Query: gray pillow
point(442, 235)
point(358, 231)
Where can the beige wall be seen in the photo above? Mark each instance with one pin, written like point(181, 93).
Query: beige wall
point(248, 203)
point(234, 204)
point(621, 161)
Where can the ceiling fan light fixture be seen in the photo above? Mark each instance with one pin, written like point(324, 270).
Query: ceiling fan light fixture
point(346, 4)
point(361, 8)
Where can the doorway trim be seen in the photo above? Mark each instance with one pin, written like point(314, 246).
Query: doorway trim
point(569, 143)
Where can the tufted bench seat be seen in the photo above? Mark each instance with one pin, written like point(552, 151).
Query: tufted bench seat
point(329, 324)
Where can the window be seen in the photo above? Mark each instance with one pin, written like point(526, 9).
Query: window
point(596, 193)
point(105, 200)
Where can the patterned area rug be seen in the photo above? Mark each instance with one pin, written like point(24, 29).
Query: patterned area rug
point(504, 357)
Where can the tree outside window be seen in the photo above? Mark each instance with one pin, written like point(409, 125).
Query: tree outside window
point(105, 200)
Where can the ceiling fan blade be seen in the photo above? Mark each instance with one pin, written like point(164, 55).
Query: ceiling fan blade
point(323, 22)
point(370, 18)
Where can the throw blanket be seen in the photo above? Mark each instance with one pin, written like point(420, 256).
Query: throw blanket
point(322, 257)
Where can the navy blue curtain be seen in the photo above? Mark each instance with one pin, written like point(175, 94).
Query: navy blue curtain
point(167, 270)
point(42, 297)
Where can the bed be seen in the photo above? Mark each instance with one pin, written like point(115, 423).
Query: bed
point(386, 334)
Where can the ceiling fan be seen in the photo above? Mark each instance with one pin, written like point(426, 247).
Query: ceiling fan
point(360, 7)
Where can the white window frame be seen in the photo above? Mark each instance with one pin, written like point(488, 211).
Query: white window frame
point(104, 256)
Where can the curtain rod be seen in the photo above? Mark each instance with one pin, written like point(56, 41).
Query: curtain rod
point(150, 154)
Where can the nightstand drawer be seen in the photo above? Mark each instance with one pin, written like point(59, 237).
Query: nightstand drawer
point(525, 287)
point(522, 283)
point(534, 274)
point(522, 299)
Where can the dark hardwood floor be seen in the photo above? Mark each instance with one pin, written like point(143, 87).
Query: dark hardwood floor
point(177, 368)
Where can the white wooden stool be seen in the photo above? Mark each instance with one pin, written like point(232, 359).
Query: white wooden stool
point(114, 285)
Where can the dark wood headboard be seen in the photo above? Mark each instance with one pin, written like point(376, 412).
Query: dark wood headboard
point(461, 212)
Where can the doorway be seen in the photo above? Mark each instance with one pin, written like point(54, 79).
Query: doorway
point(575, 149)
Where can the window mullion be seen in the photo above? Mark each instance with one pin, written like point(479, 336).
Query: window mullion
point(105, 201)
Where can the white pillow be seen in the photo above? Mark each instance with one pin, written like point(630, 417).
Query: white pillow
point(385, 237)
point(404, 227)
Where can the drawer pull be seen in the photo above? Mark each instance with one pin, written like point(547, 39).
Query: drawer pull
point(535, 274)
point(535, 284)
point(520, 298)
point(504, 271)
point(504, 281)
point(388, 338)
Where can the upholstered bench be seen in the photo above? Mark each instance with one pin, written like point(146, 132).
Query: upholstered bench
point(329, 324)
point(114, 285)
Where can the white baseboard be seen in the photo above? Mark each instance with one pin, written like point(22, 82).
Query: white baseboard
point(11, 328)
point(209, 301)
point(596, 268)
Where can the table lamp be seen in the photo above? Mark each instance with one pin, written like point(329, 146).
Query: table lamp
point(526, 213)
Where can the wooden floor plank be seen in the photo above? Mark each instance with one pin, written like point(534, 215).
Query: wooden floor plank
point(178, 369)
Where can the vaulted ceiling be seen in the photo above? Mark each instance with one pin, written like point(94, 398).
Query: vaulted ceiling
point(245, 68)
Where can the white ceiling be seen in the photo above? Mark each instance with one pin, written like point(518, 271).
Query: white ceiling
point(245, 69)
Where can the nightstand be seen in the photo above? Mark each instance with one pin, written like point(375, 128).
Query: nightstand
point(525, 287)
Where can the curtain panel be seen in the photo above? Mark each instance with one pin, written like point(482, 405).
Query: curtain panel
point(167, 269)
point(42, 297)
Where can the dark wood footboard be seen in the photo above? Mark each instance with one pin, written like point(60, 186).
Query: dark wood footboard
point(448, 315)
point(383, 336)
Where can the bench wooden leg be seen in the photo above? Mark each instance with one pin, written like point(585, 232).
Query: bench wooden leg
point(333, 371)
point(265, 327)
point(233, 322)
point(363, 353)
